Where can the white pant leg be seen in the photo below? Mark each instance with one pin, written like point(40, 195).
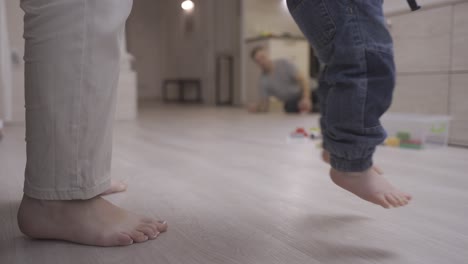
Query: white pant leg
point(71, 68)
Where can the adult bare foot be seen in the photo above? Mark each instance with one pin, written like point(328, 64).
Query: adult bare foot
point(94, 222)
point(370, 186)
point(326, 159)
point(116, 187)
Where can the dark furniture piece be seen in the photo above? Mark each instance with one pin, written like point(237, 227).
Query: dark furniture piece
point(225, 60)
point(182, 85)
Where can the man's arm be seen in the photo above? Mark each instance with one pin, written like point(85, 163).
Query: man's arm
point(305, 104)
point(305, 86)
point(263, 103)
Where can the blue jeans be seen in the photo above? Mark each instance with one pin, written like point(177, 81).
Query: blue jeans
point(356, 85)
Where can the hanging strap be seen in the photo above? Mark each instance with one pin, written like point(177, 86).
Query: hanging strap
point(413, 5)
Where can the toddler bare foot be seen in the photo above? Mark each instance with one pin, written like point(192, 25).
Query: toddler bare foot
point(370, 186)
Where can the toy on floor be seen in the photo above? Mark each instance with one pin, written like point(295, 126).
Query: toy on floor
point(298, 136)
point(438, 129)
point(404, 135)
point(315, 133)
point(411, 144)
point(403, 140)
point(392, 142)
point(299, 133)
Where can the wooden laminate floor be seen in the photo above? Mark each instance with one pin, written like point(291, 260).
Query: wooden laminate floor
point(235, 191)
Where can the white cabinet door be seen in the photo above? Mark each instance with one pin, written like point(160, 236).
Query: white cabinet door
point(460, 38)
point(422, 94)
point(459, 109)
point(422, 40)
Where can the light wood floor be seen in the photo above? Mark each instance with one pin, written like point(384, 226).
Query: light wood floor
point(234, 191)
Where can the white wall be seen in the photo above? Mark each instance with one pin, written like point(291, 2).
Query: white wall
point(15, 28)
point(268, 15)
point(192, 54)
point(147, 42)
point(5, 67)
point(163, 48)
point(397, 6)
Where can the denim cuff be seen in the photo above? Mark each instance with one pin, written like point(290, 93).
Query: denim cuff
point(345, 165)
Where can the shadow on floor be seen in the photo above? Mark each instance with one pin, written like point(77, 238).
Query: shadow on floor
point(324, 222)
point(327, 252)
point(337, 249)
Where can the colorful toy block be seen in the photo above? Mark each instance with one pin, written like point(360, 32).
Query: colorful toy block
point(392, 142)
point(411, 144)
point(404, 135)
point(315, 133)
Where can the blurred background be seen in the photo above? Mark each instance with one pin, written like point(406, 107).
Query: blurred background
point(210, 42)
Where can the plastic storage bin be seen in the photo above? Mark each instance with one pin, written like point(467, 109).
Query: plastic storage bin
point(416, 131)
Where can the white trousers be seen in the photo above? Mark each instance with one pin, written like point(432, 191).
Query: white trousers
point(6, 77)
point(72, 62)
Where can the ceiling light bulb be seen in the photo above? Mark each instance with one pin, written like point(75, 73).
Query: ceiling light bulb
point(187, 5)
